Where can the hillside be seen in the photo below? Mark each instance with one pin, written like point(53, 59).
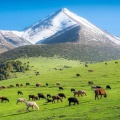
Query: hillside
point(53, 70)
point(70, 51)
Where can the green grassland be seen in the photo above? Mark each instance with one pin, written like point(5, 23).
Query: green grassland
point(54, 70)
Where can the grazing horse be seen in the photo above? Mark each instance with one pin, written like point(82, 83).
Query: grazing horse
point(27, 84)
point(31, 96)
point(20, 93)
point(108, 87)
point(11, 86)
point(35, 97)
point(57, 83)
point(46, 84)
point(62, 95)
point(38, 84)
point(77, 75)
point(49, 100)
point(4, 99)
point(72, 89)
point(41, 95)
point(2, 87)
point(57, 97)
point(90, 83)
point(31, 104)
point(73, 99)
point(48, 95)
point(100, 91)
point(86, 65)
point(21, 85)
point(82, 92)
point(106, 64)
point(17, 85)
point(90, 70)
point(20, 100)
point(61, 88)
point(116, 62)
point(95, 87)
point(79, 92)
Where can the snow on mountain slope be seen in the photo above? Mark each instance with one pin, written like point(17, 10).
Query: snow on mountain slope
point(61, 26)
point(10, 37)
point(61, 20)
point(47, 27)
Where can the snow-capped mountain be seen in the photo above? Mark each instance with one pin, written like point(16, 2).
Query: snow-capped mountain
point(12, 38)
point(65, 26)
point(9, 40)
point(61, 26)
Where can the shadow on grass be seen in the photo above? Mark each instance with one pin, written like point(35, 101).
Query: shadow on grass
point(20, 112)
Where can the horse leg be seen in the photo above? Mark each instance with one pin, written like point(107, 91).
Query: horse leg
point(27, 108)
point(33, 107)
point(96, 96)
point(100, 96)
point(74, 103)
point(61, 100)
point(69, 103)
point(53, 101)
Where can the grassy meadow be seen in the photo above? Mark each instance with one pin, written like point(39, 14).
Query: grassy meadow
point(54, 70)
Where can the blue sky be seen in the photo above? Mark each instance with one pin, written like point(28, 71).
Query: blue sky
point(19, 14)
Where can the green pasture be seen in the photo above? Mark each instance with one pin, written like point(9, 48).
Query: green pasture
point(54, 70)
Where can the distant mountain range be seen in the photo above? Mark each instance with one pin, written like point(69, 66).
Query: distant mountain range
point(61, 26)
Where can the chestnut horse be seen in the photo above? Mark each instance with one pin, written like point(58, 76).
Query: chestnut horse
point(57, 97)
point(100, 91)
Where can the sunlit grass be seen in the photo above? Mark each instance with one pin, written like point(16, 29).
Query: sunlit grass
point(88, 109)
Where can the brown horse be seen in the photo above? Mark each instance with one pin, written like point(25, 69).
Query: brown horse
point(2, 87)
point(79, 92)
point(4, 99)
point(90, 83)
point(57, 97)
point(100, 91)
point(38, 84)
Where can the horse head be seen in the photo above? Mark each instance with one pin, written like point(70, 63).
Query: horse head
point(105, 95)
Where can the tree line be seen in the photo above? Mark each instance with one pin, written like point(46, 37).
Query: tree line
point(8, 68)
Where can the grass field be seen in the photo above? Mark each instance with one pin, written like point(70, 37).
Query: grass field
point(54, 70)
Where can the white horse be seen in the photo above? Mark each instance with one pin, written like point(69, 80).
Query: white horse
point(31, 104)
point(21, 100)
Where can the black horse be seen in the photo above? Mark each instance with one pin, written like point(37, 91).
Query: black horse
point(74, 100)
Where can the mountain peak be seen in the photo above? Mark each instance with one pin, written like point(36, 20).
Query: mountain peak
point(64, 20)
point(65, 26)
point(63, 9)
